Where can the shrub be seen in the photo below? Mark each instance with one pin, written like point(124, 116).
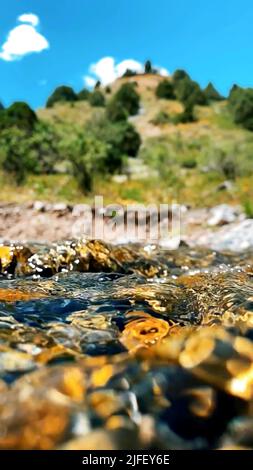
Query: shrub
point(18, 161)
point(61, 94)
point(128, 98)
point(19, 114)
point(88, 157)
point(165, 90)
point(115, 111)
point(129, 73)
point(187, 115)
point(241, 104)
point(179, 75)
point(159, 155)
point(161, 118)
point(83, 95)
point(29, 152)
point(121, 138)
point(189, 92)
point(97, 99)
point(189, 163)
point(212, 94)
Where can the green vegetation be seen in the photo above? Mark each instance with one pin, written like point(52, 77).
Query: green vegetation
point(148, 67)
point(212, 94)
point(189, 92)
point(96, 98)
point(128, 98)
point(165, 90)
point(161, 118)
point(241, 105)
point(115, 112)
point(189, 149)
point(19, 114)
point(83, 95)
point(61, 94)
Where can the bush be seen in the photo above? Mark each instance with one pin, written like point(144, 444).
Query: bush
point(19, 114)
point(241, 104)
point(88, 157)
point(29, 152)
point(227, 164)
point(97, 99)
point(83, 95)
point(115, 112)
point(129, 73)
point(189, 92)
point(186, 116)
point(61, 94)
point(165, 90)
point(121, 138)
point(161, 118)
point(179, 75)
point(128, 98)
point(212, 94)
point(18, 159)
point(189, 163)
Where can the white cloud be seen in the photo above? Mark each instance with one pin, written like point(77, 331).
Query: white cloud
point(163, 71)
point(23, 39)
point(29, 18)
point(128, 64)
point(107, 70)
point(89, 81)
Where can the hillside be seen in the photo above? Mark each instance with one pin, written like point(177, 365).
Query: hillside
point(182, 161)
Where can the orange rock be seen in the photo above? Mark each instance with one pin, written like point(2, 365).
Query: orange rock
point(11, 295)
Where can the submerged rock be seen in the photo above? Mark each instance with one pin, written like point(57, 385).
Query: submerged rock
point(131, 346)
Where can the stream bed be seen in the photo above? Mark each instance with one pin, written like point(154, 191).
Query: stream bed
point(125, 347)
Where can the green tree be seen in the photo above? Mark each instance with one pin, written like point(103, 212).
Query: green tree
point(97, 99)
point(128, 98)
point(179, 75)
point(242, 107)
point(17, 160)
point(187, 115)
point(88, 157)
point(83, 95)
point(129, 73)
point(18, 114)
point(121, 138)
point(115, 112)
point(212, 94)
point(189, 92)
point(165, 90)
point(61, 94)
point(148, 67)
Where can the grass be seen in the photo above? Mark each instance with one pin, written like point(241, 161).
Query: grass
point(190, 187)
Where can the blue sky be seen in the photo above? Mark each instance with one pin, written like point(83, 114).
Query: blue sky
point(211, 40)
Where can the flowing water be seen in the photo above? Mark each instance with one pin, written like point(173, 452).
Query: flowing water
point(125, 347)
